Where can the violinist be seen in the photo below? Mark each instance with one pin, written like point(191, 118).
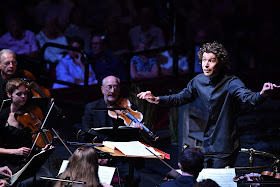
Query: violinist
point(8, 68)
point(92, 119)
point(15, 139)
point(191, 163)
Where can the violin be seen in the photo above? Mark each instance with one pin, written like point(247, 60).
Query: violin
point(269, 174)
point(37, 90)
point(33, 120)
point(128, 115)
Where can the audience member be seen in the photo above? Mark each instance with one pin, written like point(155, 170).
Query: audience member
point(83, 167)
point(103, 63)
point(116, 34)
point(146, 31)
point(18, 39)
point(51, 33)
point(77, 26)
point(143, 66)
point(191, 163)
point(165, 60)
point(71, 68)
point(61, 8)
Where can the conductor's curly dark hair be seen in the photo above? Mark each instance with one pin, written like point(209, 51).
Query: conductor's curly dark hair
point(218, 50)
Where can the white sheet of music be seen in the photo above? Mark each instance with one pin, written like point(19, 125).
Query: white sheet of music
point(133, 148)
point(223, 177)
point(105, 174)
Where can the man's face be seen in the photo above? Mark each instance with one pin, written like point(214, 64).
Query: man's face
point(15, 29)
point(96, 45)
point(210, 65)
point(110, 89)
point(8, 64)
point(74, 54)
point(19, 96)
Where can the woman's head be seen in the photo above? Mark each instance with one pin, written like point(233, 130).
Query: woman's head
point(83, 166)
point(17, 91)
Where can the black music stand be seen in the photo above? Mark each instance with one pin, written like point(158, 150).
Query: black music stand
point(32, 167)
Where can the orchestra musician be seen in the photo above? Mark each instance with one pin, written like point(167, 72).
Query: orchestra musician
point(221, 95)
point(16, 139)
point(5, 172)
point(190, 163)
point(92, 119)
point(83, 160)
point(8, 68)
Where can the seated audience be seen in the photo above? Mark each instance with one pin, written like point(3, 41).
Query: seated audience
point(146, 31)
point(51, 33)
point(18, 39)
point(77, 26)
point(102, 60)
point(191, 163)
point(71, 68)
point(116, 34)
point(83, 167)
point(143, 66)
point(166, 62)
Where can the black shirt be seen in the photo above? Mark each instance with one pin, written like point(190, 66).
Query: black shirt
point(221, 97)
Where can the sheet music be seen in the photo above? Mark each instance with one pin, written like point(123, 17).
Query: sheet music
point(106, 174)
point(223, 177)
point(63, 166)
point(133, 148)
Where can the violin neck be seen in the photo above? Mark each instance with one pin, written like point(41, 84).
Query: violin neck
point(38, 89)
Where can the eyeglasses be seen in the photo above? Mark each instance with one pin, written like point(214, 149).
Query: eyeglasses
point(109, 87)
point(11, 62)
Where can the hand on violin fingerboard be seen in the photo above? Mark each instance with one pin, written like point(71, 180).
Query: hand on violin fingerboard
point(138, 125)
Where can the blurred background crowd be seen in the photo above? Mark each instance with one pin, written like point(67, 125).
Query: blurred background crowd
point(110, 30)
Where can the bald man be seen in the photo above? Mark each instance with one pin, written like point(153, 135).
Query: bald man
point(94, 118)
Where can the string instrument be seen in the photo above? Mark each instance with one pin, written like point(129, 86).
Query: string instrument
point(128, 115)
point(270, 175)
point(33, 120)
point(264, 176)
point(37, 90)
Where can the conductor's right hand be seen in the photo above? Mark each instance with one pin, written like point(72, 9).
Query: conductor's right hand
point(24, 151)
point(148, 96)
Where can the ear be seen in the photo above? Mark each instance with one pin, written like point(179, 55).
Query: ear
point(102, 88)
point(180, 166)
point(9, 95)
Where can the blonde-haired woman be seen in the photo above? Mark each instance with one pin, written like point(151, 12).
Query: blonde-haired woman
point(83, 166)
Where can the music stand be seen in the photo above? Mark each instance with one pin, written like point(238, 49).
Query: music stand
point(32, 167)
